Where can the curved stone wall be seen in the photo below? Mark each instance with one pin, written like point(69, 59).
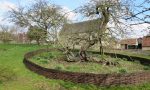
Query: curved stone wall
point(89, 78)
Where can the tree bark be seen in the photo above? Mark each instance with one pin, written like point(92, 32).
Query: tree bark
point(101, 46)
point(38, 42)
point(83, 55)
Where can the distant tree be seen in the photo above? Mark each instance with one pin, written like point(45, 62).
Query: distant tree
point(36, 33)
point(5, 34)
point(42, 13)
point(14, 31)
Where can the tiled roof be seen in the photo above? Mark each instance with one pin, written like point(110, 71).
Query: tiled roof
point(129, 41)
point(80, 27)
point(146, 41)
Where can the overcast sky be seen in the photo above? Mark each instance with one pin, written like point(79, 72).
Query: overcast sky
point(68, 5)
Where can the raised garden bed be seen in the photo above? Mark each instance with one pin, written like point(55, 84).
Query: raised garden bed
point(97, 78)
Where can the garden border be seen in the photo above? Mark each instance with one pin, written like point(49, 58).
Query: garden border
point(90, 78)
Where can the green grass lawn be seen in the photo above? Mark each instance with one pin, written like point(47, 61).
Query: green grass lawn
point(137, 53)
point(15, 76)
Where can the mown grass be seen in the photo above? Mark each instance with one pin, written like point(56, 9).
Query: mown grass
point(11, 59)
point(137, 53)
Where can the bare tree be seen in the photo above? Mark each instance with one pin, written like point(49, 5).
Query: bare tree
point(42, 13)
point(5, 34)
point(83, 34)
point(108, 11)
point(112, 16)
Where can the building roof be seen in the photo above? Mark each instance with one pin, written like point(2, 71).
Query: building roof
point(146, 41)
point(131, 41)
point(80, 27)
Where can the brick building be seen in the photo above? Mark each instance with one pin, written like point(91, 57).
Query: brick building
point(136, 43)
point(131, 43)
point(146, 43)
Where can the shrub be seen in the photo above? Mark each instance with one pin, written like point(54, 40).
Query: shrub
point(146, 68)
point(38, 58)
point(118, 59)
point(124, 59)
point(44, 61)
point(50, 55)
point(122, 71)
point(138, 62)
point(60, 67)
